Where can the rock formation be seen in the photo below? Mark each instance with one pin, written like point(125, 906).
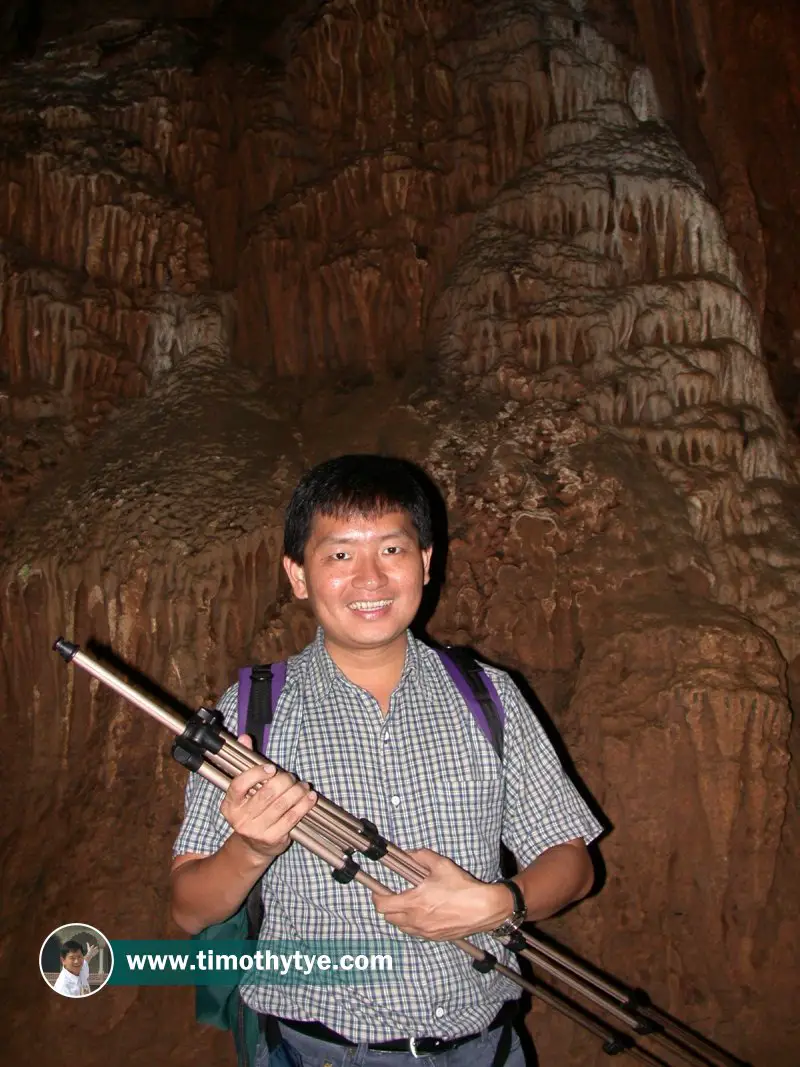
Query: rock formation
point(465, 234)
point(727, 78)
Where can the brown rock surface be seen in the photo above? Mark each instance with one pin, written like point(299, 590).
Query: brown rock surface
point(459, 233)
point(727, 78)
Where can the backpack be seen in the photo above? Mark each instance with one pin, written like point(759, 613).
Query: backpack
point(259, 691)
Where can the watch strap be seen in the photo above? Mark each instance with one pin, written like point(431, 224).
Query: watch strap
point(520, 908)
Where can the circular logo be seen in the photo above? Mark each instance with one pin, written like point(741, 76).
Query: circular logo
point(76, 960)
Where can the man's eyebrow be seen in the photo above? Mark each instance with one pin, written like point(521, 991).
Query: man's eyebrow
point(345, 539)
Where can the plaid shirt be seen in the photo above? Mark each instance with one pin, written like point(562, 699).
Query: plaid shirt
point(427, 777)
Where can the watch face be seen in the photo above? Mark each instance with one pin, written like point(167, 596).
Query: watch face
point(508, 928)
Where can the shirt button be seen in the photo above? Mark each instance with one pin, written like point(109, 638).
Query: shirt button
point(395, 800)
point(439, 1013)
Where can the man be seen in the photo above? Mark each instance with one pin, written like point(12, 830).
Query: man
point(73, 981)
point(370, 716)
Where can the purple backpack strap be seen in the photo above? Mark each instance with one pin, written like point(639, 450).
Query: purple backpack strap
point(243, 699)
point(478, 692)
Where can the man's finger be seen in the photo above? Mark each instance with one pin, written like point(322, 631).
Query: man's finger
point(393, 903)
point(262, 795)
point(254, 777)
point(277, 801)
point(405, 898)
point(427, 858)
point(260, 814)
point(276, 833)
point(292, 817)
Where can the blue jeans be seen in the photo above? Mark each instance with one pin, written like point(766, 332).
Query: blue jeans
point(300, 1050)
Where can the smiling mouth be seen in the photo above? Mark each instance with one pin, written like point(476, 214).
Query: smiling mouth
point(370, 605)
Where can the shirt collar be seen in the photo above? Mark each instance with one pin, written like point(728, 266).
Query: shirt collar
point(325, 673)
point(71, 980)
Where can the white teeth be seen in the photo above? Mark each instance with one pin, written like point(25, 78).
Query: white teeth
point(369, 605)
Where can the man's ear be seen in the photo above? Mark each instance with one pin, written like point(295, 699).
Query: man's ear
point(297, 578)
point(426, 564)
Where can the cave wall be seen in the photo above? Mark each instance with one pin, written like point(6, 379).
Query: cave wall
point(727, 77)
point(466, 234)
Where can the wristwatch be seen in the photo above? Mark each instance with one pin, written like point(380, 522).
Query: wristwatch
point(518, 915)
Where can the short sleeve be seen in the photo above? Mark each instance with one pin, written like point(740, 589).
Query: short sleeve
point(204, 829)
point(542, 806)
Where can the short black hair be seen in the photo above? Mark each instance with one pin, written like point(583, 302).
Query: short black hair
point(368, 485)
point(72, 946)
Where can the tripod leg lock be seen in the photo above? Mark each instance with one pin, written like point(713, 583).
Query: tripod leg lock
point(378, 845)
point(637, 999)
point(202, 730)
point(516, 941)
point(200, 736)
point(188, 754)
point(488, 963)
point(347, 872)
point(616, 1045)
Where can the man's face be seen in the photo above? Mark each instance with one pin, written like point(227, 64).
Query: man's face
point(363, 577)
point(73, 961)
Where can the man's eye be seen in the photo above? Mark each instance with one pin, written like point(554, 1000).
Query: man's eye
point(393, 550)
point(339, 555)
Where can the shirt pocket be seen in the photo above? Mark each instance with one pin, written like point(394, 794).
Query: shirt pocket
point(467, 814)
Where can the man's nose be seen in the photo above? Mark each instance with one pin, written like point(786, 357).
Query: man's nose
point(369, 573)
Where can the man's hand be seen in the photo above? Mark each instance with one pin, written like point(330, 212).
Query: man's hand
point(263, 804)
point(448, 904)
point(91, 952)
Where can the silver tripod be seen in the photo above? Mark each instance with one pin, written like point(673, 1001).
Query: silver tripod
point(331, 833)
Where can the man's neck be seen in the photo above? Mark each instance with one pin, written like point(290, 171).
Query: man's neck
point(378, 670)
